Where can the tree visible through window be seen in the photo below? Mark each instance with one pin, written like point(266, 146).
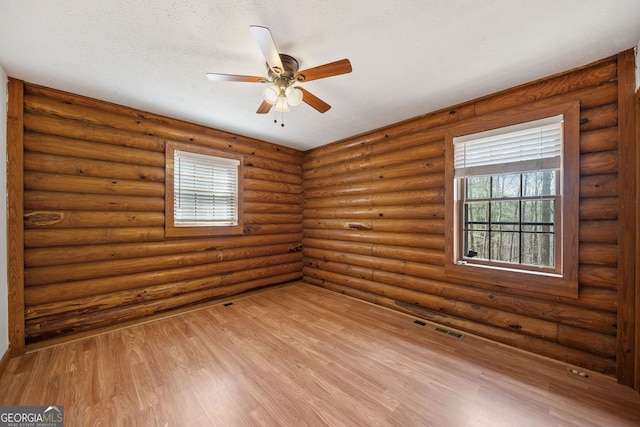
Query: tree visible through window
point(511, 193)
point(511, 218)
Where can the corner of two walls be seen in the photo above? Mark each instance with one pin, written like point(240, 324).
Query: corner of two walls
point(96, 255)
point(374, 226)
point(4, 303)
point(638, 67)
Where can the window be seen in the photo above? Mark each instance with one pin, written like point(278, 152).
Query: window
point(512, 195)
point(202, 189)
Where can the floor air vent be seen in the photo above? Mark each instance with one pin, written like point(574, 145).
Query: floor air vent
point(456, 335)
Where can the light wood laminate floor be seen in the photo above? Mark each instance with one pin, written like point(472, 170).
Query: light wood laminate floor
point(302, 356)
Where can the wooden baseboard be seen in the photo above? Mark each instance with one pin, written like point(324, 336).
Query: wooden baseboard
point(4, 362)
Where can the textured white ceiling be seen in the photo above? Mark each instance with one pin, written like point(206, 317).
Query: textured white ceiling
point(409, 57)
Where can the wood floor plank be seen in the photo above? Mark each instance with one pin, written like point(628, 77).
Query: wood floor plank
point(299, 355)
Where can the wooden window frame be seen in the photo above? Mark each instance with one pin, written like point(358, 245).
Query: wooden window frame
point(563, 284)
point(171, 230)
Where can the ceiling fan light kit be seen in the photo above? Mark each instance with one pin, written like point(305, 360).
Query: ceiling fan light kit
point(283, 74)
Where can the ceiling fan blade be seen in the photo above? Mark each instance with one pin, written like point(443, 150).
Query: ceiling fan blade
point(327, 70)
point(314, 101)
point(268, 47)
point(264, 108)
point(235, 78)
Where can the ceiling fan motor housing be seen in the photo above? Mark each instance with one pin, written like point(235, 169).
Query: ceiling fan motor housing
point(286, 76)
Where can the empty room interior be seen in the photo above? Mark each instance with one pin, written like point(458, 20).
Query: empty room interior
point(287, 213)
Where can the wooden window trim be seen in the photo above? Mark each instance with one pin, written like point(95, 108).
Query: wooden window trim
point(198, 231)
point(565, 284)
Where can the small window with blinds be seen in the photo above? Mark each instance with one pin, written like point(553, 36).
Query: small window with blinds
point(511, 197)
point(203, 191)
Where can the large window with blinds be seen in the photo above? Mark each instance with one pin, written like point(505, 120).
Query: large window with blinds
point(512, 196)
point(508, 182)
point(203, 189)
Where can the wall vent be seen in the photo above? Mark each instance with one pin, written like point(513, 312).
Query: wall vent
point(579, 373)
point(227, 304)
point(454, 334)
point(419, 322)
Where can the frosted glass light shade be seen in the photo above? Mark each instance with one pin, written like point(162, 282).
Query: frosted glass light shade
point(270, 94)
point(294, 96)
point(281, 104)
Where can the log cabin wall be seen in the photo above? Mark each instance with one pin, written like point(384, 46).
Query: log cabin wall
point(95, 252)
point(374, 228)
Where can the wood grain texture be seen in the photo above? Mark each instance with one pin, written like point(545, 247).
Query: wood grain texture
point(627, 201)
point(367, 194)
point(299, 355)
point(93, 232)
point(15, 209)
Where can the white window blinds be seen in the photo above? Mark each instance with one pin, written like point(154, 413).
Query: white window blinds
point(205, 190)
point(524, 147)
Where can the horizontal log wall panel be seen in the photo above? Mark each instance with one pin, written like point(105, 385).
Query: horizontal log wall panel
point(395, 212)
point(267, 218)
point(115, 299)
point(598, 276)
point(599, 117)
point(91, 219)
point(599, 186)
point(593, 75)
point(410, 168)
point(271, 186)
point(149, 118)
point(434, 227)
point(604, 162)
point(94, 213)
point(599, 232)
point(264, 207)
point(410, 197)
point(373, 224)
point(69, 291)
point(433, 149)
point(599, 140)
point(73, 255)
point(97, 269)
point(39, 331)
point(272, 176)
point(45, 105)
point(270, 197)
point(39, 181)
point(52, 163)
point(427, 181)
point(593, 209)
point(52, 200)
point(266, 229)
point(45, 238)
point(411, 240)
point(381, 250)
point(95, 150)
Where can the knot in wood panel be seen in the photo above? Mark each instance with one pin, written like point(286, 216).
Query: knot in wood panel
point(43, 218)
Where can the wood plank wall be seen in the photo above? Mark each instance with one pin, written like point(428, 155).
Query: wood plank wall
point(95, 253)
point(374, 226)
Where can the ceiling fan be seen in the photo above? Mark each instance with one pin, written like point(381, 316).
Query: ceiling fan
point(283, 74)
